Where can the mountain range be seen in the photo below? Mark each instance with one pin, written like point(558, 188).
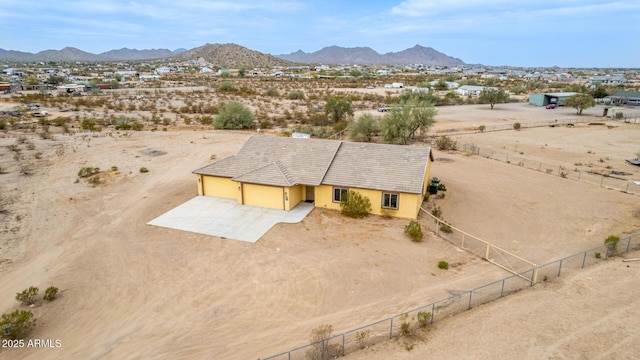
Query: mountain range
point(236, 56)
point(365, 55)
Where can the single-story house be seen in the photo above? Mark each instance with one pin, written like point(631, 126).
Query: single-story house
point(609, 79)
point(280, 173)
point(471, 90)
point(624, 98)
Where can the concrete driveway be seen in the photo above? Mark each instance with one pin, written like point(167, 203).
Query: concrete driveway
point(225, 218)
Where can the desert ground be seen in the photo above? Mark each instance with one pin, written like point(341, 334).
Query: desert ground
point(129, 290)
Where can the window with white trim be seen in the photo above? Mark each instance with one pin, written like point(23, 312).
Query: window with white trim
point(339, 194)
point(390, 200)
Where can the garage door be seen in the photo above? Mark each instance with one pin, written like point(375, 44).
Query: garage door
point(265, 196)
point(222, 187)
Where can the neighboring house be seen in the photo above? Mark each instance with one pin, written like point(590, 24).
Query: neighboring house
point(624, 98)
point(149, 77)
point(450, 84)
point(609, 79)
point(280, 173)
point(162, 70)
point(471, 90)
point(206, 70)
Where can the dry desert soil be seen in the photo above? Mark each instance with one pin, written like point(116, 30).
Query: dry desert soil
point(130, 290)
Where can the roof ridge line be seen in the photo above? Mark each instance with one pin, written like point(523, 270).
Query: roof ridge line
point(284, 172)
point(331, 162)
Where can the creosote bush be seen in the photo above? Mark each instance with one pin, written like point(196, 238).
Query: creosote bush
point(355, 205)
point(50, 294)
point(443, 265)
point(612, 243)
point(321, 348)
point(17, 324)
point(424, 318)
point(27, 296)
point(144, 170)
point(414, 231)
point(446, 143)
point(88, 171)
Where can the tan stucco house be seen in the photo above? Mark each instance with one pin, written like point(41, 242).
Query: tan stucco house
point(280, 173)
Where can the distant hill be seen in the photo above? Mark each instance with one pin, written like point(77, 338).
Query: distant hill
point(231, 56)
point(71, 54)
point(365, 55)
point(176, 51)
point(133, 54)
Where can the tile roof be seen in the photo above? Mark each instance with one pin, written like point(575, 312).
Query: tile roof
point(287, 162)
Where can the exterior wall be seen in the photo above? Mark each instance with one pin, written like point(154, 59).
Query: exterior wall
point(408, 203)
point(218, 186)
point(294, 196)
point(264, 196)
point(536, 99)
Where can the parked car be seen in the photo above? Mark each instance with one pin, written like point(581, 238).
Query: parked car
point(551, 106)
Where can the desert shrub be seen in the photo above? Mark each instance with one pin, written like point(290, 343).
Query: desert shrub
point(27, 296)
point(443, 265)
point(3, 124)
point(405, 326)
point(445, 228)
point(88, 171)
point(414, 231)
point(226, 86)
point(517, 126)
point(612, 243)
point(144, 170)
point(50, 294)
point(234, 115)
point(446, 143)
point(272, 92)
point(17, 324)
point(598, 255)
point(136, 126)
point(321, 349)
point(355, 205)
point(362, 338)
point(295, 95)
point(482, 128)
point(424, 318)
point(437, 212)
point(26, 169)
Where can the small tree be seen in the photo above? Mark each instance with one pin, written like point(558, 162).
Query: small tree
point(17, 324)
point(27, 296)
point(414, 231)
point(580, 102)
point(363, 128)
point(493, 96)
point(337, 109)
point(234, 115)
point(355, 205)
point(517, 126)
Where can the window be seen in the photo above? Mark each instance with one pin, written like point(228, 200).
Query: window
point(339, 194)
point(390, 201)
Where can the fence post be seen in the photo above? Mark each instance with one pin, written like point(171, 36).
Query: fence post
point(584, 259)
point(391, 330)
point(601, 180)
point(462, 246)
point(342, 344)
point(627, 189)
point(579, 173)
point(534, 277)
point(606, 254)
point(559, 268)
point(470, 295)
point(502, 290)
point(628, 243)
point(433, 312)
point(486, 256)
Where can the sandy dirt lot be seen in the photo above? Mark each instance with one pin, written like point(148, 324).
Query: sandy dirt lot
point(130, 290)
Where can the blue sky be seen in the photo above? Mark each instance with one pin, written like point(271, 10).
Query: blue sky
point(568, 33)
